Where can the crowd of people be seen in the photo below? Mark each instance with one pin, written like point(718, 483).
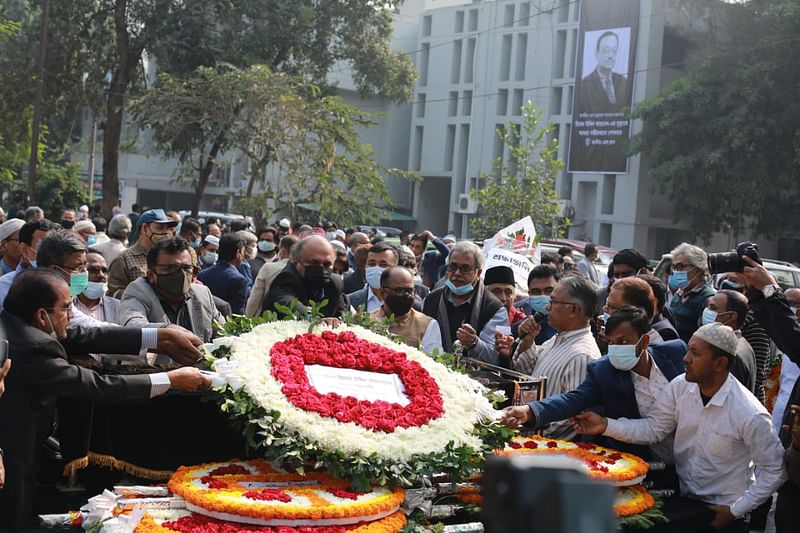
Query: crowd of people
point(674, 371)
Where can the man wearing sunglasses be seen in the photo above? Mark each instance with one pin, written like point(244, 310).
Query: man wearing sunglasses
point(465, 311)
point(94, 301)
point(166, 295)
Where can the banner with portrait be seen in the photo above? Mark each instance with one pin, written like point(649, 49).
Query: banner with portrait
point(605, 66)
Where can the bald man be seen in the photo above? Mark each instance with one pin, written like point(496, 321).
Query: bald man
point(308, 277)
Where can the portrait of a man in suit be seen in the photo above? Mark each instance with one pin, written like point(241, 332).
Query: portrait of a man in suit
point(603, 90)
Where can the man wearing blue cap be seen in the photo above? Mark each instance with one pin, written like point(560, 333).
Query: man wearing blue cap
point(152, 226)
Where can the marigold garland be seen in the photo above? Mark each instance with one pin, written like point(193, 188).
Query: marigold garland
point(200, 524)
point(632, 500)
point(602, 463)
point(315, 496)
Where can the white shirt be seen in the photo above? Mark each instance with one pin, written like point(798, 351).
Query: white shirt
point(647, 392)
point(562, 359)
point(372, 301)
point(716, 445)
point(432, 339)
point(789, 374)
point(98, 312)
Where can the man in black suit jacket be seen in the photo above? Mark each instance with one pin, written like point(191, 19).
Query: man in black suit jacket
point(37, 311)
point(308, 276)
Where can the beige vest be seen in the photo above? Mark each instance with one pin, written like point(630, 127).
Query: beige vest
point(410, 327)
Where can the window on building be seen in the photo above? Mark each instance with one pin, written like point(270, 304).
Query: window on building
point(455, 72)
point(522, 56)
point(570, 96)
point(472, 24)
point(421, 100)
point(502, 102)
point(452, 104)
point(449, 147)
point(417, 148)
point(499, 145)
point(609, 190)
point(560, 53)
point(516, 102)
point(563, 11)
point(505, 58)
point(469, 61)
point(427, 23)
point(556, 96)
point(424, 59)
point(524, 13)
point(604, 235)
point(463, 156)
point(459, 26)
point(571, 56)
point(508, 16)
point(466, 103)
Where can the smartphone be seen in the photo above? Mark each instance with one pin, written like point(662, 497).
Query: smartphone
point(3, 351)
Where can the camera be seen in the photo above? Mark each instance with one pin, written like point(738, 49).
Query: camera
point(732, 261)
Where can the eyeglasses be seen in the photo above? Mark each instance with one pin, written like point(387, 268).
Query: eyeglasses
point(80, 269)
point(680, 267)
point(97, 270)
point(464, 269)
point(399, 291)
point(171, 269)
point(67, 309)
point(11, 240)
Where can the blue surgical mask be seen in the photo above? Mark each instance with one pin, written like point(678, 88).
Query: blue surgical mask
point(709, 316)
point(95, 290)
point(196, 243)
point(606, 316)
point(459, 291)
point(330, 235)
point(539, 303)
point(373, 276)
point(266, 246)
point(210, 258)
point(78, 283)
point(91, 240)
point(623, 356)
point(678, 280)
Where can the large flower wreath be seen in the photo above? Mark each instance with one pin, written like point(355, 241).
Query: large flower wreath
point(444, 426)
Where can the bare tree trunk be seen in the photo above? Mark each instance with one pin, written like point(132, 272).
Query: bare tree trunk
point(37, 106)
point(205, 174)
point(127, 60)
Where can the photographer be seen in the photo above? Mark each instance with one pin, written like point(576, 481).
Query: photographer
point(774, 314)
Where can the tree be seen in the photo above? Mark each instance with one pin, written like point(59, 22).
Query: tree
point(723, 141)
point(275, 120)
point(525, 184)
point(58, 187)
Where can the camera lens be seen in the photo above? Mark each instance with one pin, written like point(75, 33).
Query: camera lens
point(725, 262)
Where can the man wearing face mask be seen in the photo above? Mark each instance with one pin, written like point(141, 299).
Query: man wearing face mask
point(267, 247)
point(224, 278)
point(416, 329)
point(730, 308)
point(267, 275)
point(168, 296)
point(152, 226)
point(87, 231)
point(30, 235)
point(68, 218)
point(93, 301)
point(250, 253)
point(308, 277)
point(465, 311)
point(38, 310)
point(626, 383)
point(689, 283)
point(380, 257)
point(208, 253)
point(542, 282)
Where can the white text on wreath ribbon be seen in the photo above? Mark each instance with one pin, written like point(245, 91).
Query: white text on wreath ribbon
point(369, 386)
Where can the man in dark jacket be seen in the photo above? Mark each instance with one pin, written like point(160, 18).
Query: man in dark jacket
point(37, 311)
point(772, 311)
point(429, 263)
point(308, 277)
point(224, 278)
point(625, 383)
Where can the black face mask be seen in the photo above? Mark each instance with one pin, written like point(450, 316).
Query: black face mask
point(176, 284)
point(67, 224)
point(317, 277)
point(399, 305)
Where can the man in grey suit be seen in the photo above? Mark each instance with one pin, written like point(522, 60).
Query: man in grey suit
point(166, 295)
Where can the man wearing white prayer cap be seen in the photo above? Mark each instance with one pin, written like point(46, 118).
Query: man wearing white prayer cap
point(9, 245)
point(721, 431)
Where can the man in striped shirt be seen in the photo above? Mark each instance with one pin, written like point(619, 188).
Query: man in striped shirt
point(563, 358)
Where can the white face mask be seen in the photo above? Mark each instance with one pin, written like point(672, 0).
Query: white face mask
point(95, 290)
point(623, 356)
point(52, 332)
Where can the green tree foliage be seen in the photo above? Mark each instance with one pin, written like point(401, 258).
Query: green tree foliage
point(723, 141)
point(525, 183)
point(58, 187)
point(310, 143)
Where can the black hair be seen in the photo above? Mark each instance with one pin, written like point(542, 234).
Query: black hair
point(719, 352)
point(33, 289)
point(54, 249)
point(381, 247)
point(658, 288)
point(268, 229)
point(638, 319)
point(171, 246)
point(630, 257)
point(288, 241)
point(605, 34)
point(422, 238)
point(737, 302)
point(190, 226)
point(238, 225)
point(29, 228)
point(550, 257)
point(229, 245)
point(590, 249)
point(99, 223)
point(565, 250)
point(543, 272)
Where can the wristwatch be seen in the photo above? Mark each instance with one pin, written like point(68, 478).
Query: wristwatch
point(769, 290)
